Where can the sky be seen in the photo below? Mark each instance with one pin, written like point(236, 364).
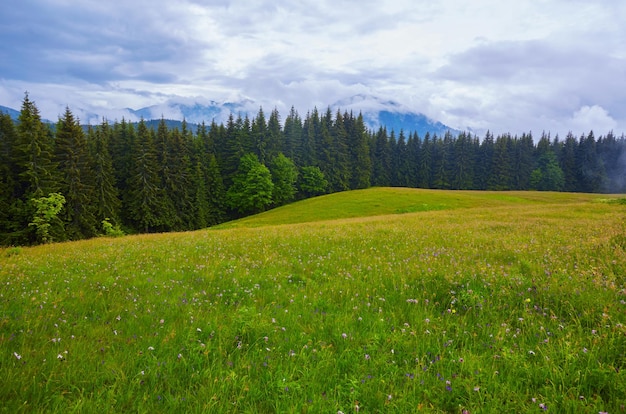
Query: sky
point(503, 66)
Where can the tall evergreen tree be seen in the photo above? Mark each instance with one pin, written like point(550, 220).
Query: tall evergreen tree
point(340, 154)
point(77, 181)
point(176, 180)
point(359, 160)
point(484, 162)
point(523, 162)
point(381, 159)
point(106, 195)
point(35, 168)
point(8, 178)
point(144, 198)
point(501, 176)
point(293, 137)
point(591, 173)
point(424, 169)
point(275, 137)
point(567, 162)
point(463, 164)
point(310, 137)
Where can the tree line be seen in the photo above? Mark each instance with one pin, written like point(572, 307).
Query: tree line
point(69, 182)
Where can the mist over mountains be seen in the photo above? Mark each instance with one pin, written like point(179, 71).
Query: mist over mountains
point(376, 113)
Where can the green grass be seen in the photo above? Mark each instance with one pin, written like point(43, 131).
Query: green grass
point(485, 302)
point(385, 201)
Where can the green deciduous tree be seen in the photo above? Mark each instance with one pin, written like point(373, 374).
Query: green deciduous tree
point(45, 219)
point(252, 187)
point(284, 177)
point(312, 181)
point(548, 175)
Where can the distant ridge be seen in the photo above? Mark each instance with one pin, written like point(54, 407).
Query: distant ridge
point(376, 113)
point(12, 112)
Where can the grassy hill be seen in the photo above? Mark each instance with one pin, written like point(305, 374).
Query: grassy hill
point(389, 201)
point(392, 300)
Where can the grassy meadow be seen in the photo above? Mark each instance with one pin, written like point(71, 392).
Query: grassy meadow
point(381, 300)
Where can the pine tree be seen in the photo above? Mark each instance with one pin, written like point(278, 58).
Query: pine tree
point(144, 197)
point(310, 138)
point(340, 154)
point(523, 162)
point(567, 162)
point(424, 169)
point(77, 183)
point(36, 171)
point(464, 163)
point(591, 173)
point(501, 175)
point(8, 178)
point(381, 159)
point(120, 147)
point(442, 156)
point(106, 195)
point(275, 139)
point(33, 154)
point(484, 162)
point(260, 137)
point(293, 137)
point(400, 162)
point(359, 161)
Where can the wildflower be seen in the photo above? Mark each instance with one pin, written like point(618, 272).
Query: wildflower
point(543, 407)
point(150, 348)
point(367, 357)
point(531, 352)
point(477, 388)
point(344, 335)
point(18, 356)
point(162, 321)
point(389, 397)
point(198, 330)
point(60, 356)
point(119, 317)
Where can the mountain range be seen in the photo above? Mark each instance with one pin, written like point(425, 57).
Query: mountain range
point(376, 113)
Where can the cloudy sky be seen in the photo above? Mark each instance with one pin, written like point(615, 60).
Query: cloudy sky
point(506, 66)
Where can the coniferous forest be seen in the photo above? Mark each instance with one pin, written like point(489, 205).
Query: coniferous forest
point(68, 182)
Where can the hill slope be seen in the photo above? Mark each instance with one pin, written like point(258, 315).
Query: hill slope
point(380, 201)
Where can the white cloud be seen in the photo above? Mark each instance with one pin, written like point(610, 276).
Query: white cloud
point(595, 118)
point(484, 64)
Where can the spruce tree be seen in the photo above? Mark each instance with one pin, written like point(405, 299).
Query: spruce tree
point(8, 178)
point(106, 195)
point(76, 184)
point(144, 196)
point(35, 168)
point(424, 170)
point(359, 161)
point(464, 163)
point(293, 137)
